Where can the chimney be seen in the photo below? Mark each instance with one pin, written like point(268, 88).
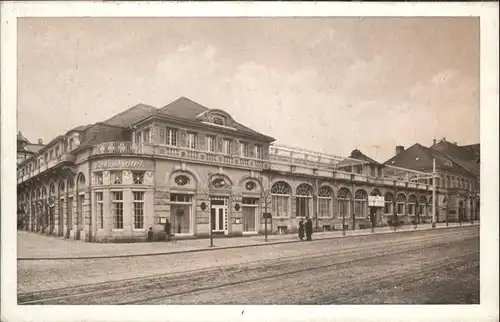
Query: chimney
point(399, 149)
point(433, 141)
point(40, 141)
point(444, 139)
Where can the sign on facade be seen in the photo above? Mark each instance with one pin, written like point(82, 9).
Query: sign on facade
point(118, 164)
point(376, 201)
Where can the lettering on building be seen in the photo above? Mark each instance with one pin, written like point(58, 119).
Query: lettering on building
point(107, 164)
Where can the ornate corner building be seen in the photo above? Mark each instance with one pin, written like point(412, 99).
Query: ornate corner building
point(205, 173)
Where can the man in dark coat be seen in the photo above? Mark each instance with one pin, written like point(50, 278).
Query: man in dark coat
point(309, 228)
point(167, 228)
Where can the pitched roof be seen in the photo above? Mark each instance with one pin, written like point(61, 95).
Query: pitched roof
point(467, 157)
point(80, 128)
point(419, 157)
point(99, 133)
point(34, 148)
point(358, 155)
point(131, 115)
point(184, 108)
point(21, 137)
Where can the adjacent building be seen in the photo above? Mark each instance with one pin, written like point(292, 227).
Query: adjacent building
point(26, 149)
point(457, 167)
point(206, 173)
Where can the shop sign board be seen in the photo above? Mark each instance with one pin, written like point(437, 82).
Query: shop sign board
point(376, 201)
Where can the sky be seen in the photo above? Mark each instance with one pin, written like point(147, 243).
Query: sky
point(325, 84)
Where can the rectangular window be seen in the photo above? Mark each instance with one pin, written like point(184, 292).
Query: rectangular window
point(70, 144)
point(117, 209)
point(227, 147)
point(302, 207)
point(145, 136)
point(257, 151)
point(244, 149)
point(210, 143)
point(171, 136)
point(138, 209)
point(343, 208)
point(280, 205)
point(162, 135)
point(324, 205)
point(191, 140)
point(401, 208)
point(99, 209)
point(57, 152)
point(137, 138)
point(388, 207)
point(46, 158)
point(411, 209)
point(138, 177)
point(98, 178)
point(51, 155)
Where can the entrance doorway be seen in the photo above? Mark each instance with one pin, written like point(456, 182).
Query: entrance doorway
point(219, 213)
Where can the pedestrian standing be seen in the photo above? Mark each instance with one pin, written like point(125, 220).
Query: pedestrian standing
point(301, 229)
point(309, 228)
point(167, 228)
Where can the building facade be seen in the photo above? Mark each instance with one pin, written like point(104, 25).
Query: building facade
point(458, 172)
point(205, 173)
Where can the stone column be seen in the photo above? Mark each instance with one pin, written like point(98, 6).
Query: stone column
point(56, 217)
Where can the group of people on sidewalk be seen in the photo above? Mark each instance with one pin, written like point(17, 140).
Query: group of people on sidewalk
point(306, 228)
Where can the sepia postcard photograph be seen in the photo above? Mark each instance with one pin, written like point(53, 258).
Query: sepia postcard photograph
point(239, 161)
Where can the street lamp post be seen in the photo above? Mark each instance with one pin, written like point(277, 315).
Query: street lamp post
point(394, 206)
point(434, 201)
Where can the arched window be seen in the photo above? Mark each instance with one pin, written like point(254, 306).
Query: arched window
point(412, 203)
point(375, 192)
point(325, 202)
point(44, 192)
point(81, 180)
point(71, 183)
point(360, 203)
point(280, 199)
point(343, 200)
point(401, 202)
point(422, 205)
point(62, 187)
point(52, 189)
point(303, 200)
point(388, 200)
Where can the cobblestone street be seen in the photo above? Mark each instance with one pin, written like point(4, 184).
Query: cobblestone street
point(367, 269)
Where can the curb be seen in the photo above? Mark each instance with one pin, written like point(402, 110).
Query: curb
point(232, 247)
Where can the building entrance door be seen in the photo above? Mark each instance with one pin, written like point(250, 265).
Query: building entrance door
point(218, 213)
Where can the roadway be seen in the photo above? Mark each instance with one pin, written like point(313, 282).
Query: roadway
point(421, 267)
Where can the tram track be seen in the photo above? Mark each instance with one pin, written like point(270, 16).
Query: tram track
point(138, 290)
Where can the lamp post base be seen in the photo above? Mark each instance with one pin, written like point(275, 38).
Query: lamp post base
point(433, 225)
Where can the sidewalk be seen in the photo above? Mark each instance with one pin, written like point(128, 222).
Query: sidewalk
point(33, 246)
